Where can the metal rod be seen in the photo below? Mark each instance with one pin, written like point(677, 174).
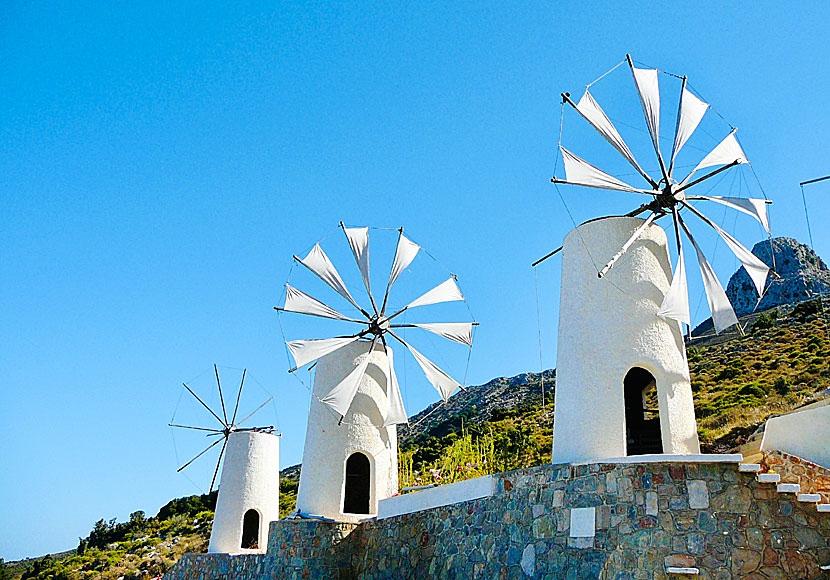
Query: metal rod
point(218, 462)
point(279, 309)
point(389, 283)
point(204, 405)
point(707, 176)
point(197, 428)
point(198, 456)
point(627, 245)
point(546, 256)
point(808, 182)
point(255, 411)
point(653, 137)
point(238, 396)
point(414, 325)
point(221, 397)
point(555, 179)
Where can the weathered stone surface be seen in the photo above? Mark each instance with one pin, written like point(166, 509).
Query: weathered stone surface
point(520, 533)
point(698, 494)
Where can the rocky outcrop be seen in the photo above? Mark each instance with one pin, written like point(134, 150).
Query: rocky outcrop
point(803, 275)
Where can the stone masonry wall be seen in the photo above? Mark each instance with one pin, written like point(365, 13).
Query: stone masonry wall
point(812, 478)
point(647, 517)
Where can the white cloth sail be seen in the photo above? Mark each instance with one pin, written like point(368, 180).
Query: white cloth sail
point(318, 262)
point(756, 269)
point(445, 292)
point(649, 91)
point(306, 351)
point(442, 382)
point(580, 172)
point(689, 115)
point(404, 254)
point(395, 413)
point(341, 396)
point(757, 208)
point(675, 304)
point(359, 243)
point(593, 113)
point(723, 316)
point(457, 331)
point(299, 301)
point(728, 151)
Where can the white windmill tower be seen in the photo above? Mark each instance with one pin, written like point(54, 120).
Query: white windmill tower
point(350, 458)
point(249, 487)
point(620, 332)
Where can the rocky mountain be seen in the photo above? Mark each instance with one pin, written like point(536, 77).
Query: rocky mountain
point(803, 275)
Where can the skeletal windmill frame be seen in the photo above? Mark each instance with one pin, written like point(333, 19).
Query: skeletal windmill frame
point(378, 323)
point(669, 195)
point(228, 427)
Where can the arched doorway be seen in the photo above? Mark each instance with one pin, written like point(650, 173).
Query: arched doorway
point(250, 530)
point(358, 477)
point(642, 417)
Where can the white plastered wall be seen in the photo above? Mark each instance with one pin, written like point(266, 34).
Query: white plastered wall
point(328, 444)
point(804, 433)
point(250, 480)
point(607, 326)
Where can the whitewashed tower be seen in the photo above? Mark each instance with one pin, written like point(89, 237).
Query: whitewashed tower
point(612, 347)
point(349, 465)
point(249, 493)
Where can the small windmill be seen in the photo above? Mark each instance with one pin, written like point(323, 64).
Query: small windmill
point(377, 323)
point(669, 195)
point(222, 434)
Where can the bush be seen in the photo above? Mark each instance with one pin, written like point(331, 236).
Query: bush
point(780, 386)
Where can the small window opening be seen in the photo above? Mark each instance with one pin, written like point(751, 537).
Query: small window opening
point(358, 476)
point(250, 530)
point(642, 416)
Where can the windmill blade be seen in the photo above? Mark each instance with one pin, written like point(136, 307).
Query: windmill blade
point(221, 397)
point(756, 269)
point(196, 428)
point(238, 396)
point(648, 88)
point(204, 405)
point(396, 413)
point(593, 113)
point(341, 396)
point(690, 112)
point(757, 208)
point(405, 252)
point(727, 152)
point(255, 411)
point(445, 292)
point(627, 245)
point(723, 316)
point(580, 172)
point(675, 305)
point(301, 303)
point(443, 383)
point(306, 351)
point(218, 462)
point(359, 243)
point(461, 332)
point(209, 447)
point(318, 262)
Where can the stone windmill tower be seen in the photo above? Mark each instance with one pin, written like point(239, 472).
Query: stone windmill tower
point(249, 487)
point(622, 377)
point(350, 459)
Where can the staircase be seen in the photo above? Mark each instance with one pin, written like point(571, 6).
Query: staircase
point(806, 481)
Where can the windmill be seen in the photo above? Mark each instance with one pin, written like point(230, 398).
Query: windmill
point(375, 323)
point(226, 427)
point(670, 196)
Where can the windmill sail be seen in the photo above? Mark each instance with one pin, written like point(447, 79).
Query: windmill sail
point(649, 90)
point(306, 351)
point(341, 396)
point(756, 208)
point(445, 292)
point(442, 382)
point(675, 305)
point(300, 302)
point(457, 331)
point(689, 115)
point(359, 243)
point(580, 172)
point(318, 262)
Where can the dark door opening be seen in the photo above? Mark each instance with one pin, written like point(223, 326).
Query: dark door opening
point(642, 418)
point(250, 530)
point(358, 476)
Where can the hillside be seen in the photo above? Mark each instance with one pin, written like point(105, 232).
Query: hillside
point(782, 362)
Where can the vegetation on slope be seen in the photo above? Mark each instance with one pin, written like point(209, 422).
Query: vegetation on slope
point(780, 364)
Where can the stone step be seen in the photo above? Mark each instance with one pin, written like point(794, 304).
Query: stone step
point(749, 467)
point(768, 478)
point(823, 507)
point(809, 497)
point(827, 567)
point(684, 571)
point(788, 488)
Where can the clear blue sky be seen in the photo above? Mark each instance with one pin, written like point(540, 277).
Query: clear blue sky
point(161, 162)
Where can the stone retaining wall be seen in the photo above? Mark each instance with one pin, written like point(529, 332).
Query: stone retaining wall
point(645, 518)
point(811, 477)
